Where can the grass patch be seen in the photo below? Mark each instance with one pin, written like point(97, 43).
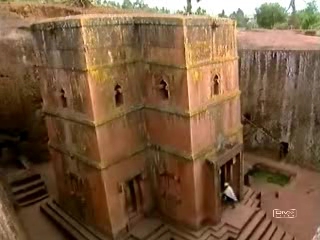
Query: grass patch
point(270, 177)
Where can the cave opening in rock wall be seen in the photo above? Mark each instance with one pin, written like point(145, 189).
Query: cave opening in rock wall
point(284, 149)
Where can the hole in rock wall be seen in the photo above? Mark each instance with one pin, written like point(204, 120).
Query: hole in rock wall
point(284, 149)
point(215, 86)
point(118, 97)
point(247, 118)
point(164, 90)
point(63, 98)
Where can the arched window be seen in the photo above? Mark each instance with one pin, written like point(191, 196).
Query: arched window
point(164, 90)
point(215, 86)
point(63, 99)
point(118, 96)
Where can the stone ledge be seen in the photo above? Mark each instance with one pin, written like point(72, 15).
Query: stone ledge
point(207, 152)
point(82, 119)
point(119, 64)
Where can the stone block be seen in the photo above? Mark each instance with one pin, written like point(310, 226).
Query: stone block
point(116, 179)
point(110, 56)
point(170, 57)
point(121, 138)
point(81, 191)
point(111, 36)
point(73, 85)
point(162, 36)
point(169, 131)
point(200, 33)
point(175, 189)
point(103, 83)
point(176, 80)
point(224, 43)
point(74, 139)
point(201, 83)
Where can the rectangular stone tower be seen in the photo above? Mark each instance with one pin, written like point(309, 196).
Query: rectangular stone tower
point(143, 115)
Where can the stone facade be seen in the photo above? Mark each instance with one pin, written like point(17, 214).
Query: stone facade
point(143, 114)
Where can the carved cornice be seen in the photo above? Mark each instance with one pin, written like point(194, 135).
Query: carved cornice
point(82, 119)
point(207, 152)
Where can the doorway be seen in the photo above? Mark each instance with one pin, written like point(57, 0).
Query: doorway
point(134, 199)
point(230, 173)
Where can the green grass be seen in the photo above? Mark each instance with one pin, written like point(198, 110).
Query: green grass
point(267, 176)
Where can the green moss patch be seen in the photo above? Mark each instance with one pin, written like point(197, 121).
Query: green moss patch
point(270, 177)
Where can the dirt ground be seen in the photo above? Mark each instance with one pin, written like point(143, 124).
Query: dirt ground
point(302, 194)
point(277, 39)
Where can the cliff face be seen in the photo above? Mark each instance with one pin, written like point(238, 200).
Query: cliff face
point(280, 92)
point(10, 228)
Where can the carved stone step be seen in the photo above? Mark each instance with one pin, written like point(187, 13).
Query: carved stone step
point(252, 225)
point(27, 186)
point(256, 204)
point(278, 235)
point(61, 223)
point(248, 194)
point(270, 231)
point(34, 200)
point(159, 233)
point(31, 194)
point(288, 237)
point(69, 224)
point(261, 229)
point(24, 178)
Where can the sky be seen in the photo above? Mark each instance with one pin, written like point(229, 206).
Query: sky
point(216, 6)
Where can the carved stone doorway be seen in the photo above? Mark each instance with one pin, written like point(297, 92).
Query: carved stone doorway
point(228, 167)
point(230, 173)
point(134, 199)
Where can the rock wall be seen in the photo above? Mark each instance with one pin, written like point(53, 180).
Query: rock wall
point(10, 228)
point(20, 99)
point(280, 93)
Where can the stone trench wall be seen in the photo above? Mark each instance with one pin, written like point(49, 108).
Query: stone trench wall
point(10, 227)
point(20, 99)
point(280, 92)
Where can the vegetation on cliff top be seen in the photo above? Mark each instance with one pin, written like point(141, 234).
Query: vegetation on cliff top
point(268, 15)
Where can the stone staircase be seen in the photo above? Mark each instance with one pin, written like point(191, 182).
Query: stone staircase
point(246, 222)
point(68, 224)
point(27, 187)
point(259, 226)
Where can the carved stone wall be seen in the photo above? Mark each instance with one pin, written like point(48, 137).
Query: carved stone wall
point(10, 226)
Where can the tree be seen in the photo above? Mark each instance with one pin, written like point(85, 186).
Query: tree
point(139, 4)
point(240, 17)
point(127, 4)
point(269, 14)
point(222, 14)
point(310, 16)
point(200, 11)
point(189, 6)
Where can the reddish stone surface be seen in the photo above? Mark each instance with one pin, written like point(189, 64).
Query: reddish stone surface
point(277, 39)
point(301, 194)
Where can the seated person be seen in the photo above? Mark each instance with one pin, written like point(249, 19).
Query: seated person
point(229, 196)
